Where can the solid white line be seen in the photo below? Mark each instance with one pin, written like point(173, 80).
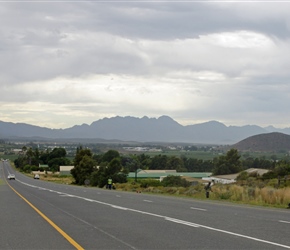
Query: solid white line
point(119, 207)
point(245, 236)
point(196, 208)
point(283, 221)
point(182, 222)
point(187, 223)
point(89, 200)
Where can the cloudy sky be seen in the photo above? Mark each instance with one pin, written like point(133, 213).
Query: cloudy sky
point(65, 63)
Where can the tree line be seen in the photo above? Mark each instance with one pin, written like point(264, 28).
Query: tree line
point(97, 168)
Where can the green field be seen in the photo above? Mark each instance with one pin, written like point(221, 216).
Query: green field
point(209, 155)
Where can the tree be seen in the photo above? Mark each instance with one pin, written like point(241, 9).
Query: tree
point(29, 157)
point(175, 163)
point(134, 164)
point(109, 166)
point(44, 156)
point(110, 155)
point(282, 169)
point(113, 170)
point(29, 154)
point(57, 153)
point(113, 167)
point(158, 162)
point(228, 164)
point(84, 165)
point(56, 162)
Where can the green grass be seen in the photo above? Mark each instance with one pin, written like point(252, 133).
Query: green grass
point(210, 155)
point(203, 155)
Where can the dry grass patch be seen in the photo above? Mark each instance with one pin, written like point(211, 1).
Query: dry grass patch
point(57, 178)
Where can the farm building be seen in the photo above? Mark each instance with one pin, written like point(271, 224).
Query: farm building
point(160, 174)
point(65, 170)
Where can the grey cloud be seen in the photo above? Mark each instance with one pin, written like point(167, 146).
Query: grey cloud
point(150, 41)
point(169, 20)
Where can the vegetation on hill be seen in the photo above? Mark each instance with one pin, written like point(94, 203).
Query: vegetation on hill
point(270, 142)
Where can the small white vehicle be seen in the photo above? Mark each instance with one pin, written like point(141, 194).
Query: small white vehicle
point(11, 177)
point(36, 176)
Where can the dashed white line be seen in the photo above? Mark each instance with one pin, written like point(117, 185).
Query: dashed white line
point(196, 208)
point(187, 223)
point(147, 201)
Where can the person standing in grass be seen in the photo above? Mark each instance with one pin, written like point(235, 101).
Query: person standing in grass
point(207, 189)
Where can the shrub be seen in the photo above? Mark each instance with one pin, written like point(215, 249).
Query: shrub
point(242, 176)
point(150, 183)
point(269, 175)
point(27, 168)
point(175, 181)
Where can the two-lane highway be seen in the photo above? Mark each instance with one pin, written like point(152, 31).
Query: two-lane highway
point(66, 217)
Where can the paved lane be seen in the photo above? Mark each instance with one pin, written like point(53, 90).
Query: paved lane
point(104, 219)
point(21, 227)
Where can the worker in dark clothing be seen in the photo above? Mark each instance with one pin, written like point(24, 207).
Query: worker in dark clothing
point(207, 189)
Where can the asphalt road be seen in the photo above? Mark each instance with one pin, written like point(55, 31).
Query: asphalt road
point(40, 215)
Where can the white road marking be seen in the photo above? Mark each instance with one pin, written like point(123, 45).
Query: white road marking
point(283, 221)
point(187, 223)
point(196, 208)
point(182, 222)
point(147, 201)
point(66, 195)
point(118, 207)
point(89, 200)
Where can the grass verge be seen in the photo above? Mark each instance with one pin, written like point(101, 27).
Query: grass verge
point(251, 195)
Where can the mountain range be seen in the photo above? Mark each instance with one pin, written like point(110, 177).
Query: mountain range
point(162, 129)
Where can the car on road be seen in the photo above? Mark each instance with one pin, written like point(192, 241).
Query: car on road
point(36, 176)
point(11, 177)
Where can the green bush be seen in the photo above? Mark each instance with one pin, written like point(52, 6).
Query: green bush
point(243, 176)
point(175, 181)
point(269, 175)
point(149, 183)
point(27, 168)
point(34, 168)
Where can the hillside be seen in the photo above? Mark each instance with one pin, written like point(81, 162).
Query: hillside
point(270, 142)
